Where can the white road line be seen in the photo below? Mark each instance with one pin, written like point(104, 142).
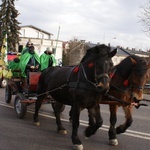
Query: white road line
point(131, 133)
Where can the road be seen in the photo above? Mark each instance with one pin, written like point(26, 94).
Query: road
point(23, 135)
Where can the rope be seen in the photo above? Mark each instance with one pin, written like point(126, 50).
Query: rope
point(55, 89)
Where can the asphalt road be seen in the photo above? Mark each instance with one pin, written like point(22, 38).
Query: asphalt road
point(21, 134)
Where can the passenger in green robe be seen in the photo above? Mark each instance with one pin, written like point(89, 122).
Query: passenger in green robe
point(47, 59)
point(29, 62)
point(26, 48)
point(14, 67)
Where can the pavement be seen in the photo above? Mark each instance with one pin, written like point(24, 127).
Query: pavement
point(147, 97)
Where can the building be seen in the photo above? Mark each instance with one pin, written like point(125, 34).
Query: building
point(78, 50)
point(124, 52)
point(41, 40)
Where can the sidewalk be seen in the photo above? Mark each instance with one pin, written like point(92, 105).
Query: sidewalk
point(147, 97)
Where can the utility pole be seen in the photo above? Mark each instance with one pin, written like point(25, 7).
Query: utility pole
point(57, 39)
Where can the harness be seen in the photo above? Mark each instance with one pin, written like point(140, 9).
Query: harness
point(127, 88)
point(87, 85)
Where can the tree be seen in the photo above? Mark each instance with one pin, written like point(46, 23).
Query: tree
point(74, 47)
point(144, 17)
point(9, 25)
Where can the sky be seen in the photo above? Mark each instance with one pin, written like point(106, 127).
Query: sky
point(96, 21)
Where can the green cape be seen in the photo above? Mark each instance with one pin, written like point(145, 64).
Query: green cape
point(44, 61)
point(24, 61)
point(24, 50)
point(14, 66)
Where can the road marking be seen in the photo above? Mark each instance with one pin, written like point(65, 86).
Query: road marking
point(131, 133)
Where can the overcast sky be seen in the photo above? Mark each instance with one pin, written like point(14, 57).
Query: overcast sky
point(104, 21)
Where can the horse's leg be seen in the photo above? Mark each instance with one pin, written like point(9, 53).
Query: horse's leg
point(113, 119)
point(40, 96)
point(95, 121)
point(91, 115)
point(75, 113)
point(57, 107)
point(128, 114)
point(38, 104)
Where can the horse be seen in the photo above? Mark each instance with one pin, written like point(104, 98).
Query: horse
point(79, 86)
point(126, 90)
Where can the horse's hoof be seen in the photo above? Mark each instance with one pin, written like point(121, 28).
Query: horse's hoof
point(77, 147)
point(64, 132)
point(113, 142)
point(36, 123)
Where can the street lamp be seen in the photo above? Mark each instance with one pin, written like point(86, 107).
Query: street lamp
point(114, 38)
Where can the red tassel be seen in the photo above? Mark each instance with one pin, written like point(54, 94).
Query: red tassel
point(126, 83)
point(76, 69)
point(90, 65)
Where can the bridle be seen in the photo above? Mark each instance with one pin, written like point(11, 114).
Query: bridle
point(97, 76)
point(131, 86)
point(128, 85)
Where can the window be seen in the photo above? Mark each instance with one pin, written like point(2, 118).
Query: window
point(41, 36)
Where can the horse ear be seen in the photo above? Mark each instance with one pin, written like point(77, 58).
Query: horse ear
point(113, 53)
point(133, 60)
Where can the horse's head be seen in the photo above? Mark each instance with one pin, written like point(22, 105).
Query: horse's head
point(138, 77)
point(131, 75)
point(99, 58)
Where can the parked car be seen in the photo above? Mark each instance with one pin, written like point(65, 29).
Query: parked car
point(12, 55)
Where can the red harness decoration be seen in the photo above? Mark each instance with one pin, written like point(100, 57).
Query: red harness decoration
point(126, 83)
point(76, 69)
point(90, 65)
point(112, 75)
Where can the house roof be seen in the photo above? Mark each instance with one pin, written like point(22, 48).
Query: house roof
point(34, 27)
point(123, 52)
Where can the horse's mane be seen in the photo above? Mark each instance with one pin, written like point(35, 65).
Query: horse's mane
point(126, 65)
point(93, 52)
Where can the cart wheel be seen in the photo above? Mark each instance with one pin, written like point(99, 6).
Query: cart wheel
point(54, 105)
point(20, 108)
point(8, 94)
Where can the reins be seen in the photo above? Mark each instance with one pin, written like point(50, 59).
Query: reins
point(83, 85)
point(85, 76)
point(55, 89)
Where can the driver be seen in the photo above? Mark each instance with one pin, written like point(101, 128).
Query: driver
point(29, 62)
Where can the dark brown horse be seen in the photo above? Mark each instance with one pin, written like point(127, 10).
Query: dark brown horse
point(126, 88)
point(79, 86)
